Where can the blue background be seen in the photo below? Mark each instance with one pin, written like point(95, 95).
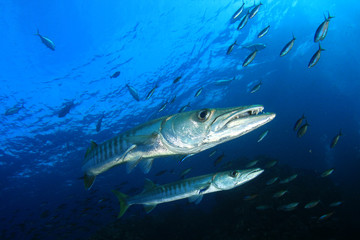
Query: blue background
point(153, 42)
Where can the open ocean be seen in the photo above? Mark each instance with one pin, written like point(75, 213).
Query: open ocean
point(75, 72)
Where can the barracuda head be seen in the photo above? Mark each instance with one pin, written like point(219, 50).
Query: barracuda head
point(195, 131)
point(230, 179)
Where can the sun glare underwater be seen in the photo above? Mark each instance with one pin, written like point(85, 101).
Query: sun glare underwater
point(180, 119)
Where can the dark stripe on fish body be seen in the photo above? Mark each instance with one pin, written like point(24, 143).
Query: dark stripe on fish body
point(111, 153)
point(116, 146)
point(105, 151)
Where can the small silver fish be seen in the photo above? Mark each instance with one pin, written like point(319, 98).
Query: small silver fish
point(256, 87)
point(237, 14)
point(255, 10)
point(46, 41)
point(286, 49)
point(272, 180)
point(231, 47)
point(316, 57)
point(327, 172)
point(264, 32)
point(325, 216)
point(335, 204)
point(163, 106)
point(312, 204)
point(289, 179)
point(335, 139)
point(151, 92)
point(249, 58)
point(133, 92)
point(251, 164)
point(302, 130)
point(262, 136)
point(280, 193)
point(298, 123)
point(212, 153)
point(271, 164)
point(322, 30)
point(198, 92)
point(289, 207)
point(250, 197)
point(243, 21)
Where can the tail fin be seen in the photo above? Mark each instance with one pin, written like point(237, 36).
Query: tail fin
point(294, 38)
point(329, 16)
point(320, 48)
point(123, 202)
point(37, 32)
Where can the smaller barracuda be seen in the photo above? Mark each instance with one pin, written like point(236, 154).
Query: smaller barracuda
point(192, 188)
point(263, 135)
point(335, 139)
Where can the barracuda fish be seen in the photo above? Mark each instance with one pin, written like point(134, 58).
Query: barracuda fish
point(299, 122)
point(335, 204)
point(192, 188)
point(263, 32)
point(175, 135)
point(238, 12)
point(322, 30)
point(335, 139)
point(316, 57)
point(286, 49)
point(50, 44)
point(243, 21)
point(255, 10)
point(231, 47)
point(249, 58)
point(177, 79)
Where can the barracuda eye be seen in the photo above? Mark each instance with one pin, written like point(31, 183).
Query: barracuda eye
point(234, 174)
point(203, 115)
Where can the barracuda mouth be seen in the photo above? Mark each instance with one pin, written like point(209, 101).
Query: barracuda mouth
point(254, 173)
point(235, 115)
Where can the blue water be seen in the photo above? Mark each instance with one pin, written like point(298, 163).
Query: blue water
point(151, 43)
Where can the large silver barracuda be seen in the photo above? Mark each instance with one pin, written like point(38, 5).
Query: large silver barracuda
point(184, 133)
point(192, 188)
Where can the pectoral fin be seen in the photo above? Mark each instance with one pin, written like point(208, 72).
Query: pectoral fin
point(146, 164)
point(130, 165)
point(149, 208)
point(88, 181)
point(196, 198)
point(203, 189)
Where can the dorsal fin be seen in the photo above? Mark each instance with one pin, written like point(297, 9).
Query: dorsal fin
point(149, 184)
point(93, 145)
